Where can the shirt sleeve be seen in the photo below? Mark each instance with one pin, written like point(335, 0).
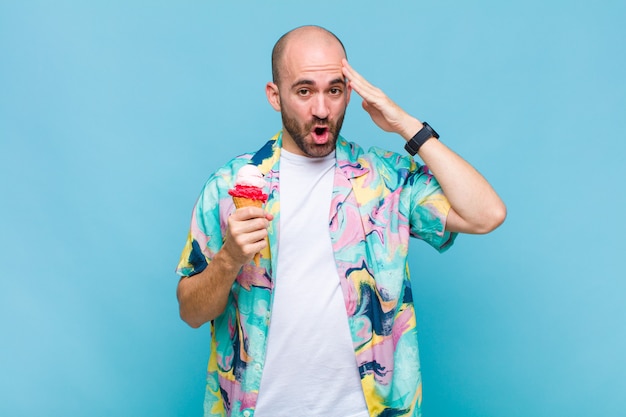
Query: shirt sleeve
point(422, 200)
point(205, 235)
point(429, 210)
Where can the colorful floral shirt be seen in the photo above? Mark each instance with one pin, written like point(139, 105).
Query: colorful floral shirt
point(379, 200)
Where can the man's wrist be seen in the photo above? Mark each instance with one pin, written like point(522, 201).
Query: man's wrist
point(228, 263)
point(410, 127)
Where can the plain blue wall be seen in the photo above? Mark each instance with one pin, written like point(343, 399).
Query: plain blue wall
point(113, 114)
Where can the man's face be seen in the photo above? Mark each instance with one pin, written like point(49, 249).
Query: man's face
point(312, 97)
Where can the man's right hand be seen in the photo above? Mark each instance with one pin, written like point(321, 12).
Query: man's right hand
point(246, 234)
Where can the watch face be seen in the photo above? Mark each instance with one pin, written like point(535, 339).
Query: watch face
point(432, 131)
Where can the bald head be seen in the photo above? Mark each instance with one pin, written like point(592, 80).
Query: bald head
point(301, 36)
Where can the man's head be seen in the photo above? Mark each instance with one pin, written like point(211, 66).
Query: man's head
point(309, 89)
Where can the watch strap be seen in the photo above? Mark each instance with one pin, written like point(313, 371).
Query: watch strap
point(425, 133)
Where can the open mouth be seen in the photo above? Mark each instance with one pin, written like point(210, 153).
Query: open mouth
point(320, 135)
point(319, 131)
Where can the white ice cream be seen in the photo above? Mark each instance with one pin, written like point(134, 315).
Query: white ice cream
point(251, 176)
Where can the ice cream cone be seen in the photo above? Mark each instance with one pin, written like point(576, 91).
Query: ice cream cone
point(248, 192)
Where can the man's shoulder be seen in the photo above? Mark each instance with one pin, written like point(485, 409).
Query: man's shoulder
point(263, 157)
point(235, 163)
point(390, 157)
point(222, 178)
point(375, 157)
point(231, 165)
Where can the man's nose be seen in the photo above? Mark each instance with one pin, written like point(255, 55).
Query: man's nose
point(320, 108)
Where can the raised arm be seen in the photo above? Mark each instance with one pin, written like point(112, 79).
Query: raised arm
point(203, 296)
point(476, 208)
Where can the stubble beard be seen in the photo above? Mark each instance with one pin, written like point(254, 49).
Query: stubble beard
point(299, 134)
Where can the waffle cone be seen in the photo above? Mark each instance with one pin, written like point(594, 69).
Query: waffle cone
point(248, 202)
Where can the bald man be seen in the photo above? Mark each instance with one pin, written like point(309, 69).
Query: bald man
point(325, 324)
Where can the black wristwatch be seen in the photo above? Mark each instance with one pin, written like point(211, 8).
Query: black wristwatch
point(425, 133)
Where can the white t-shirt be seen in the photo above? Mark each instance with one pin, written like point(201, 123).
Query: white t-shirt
point(310, 367)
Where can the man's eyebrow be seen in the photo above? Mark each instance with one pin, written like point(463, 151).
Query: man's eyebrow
point(302, 82)
point(311, 82)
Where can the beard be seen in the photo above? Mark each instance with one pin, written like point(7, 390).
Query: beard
point(299, 133)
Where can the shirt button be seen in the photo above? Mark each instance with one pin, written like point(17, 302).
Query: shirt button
point(246, 413)
point(257, 366)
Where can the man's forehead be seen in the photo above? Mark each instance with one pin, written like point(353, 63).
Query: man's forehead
point(313, 73)
point(318, 58)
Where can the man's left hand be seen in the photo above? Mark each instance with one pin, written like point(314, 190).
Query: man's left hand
point(384, 112)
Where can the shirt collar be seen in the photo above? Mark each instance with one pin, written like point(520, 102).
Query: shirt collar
point(348, 156)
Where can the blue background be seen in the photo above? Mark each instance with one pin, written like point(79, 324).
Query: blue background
point(114, 113)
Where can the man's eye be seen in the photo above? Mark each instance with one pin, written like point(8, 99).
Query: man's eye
point(303, 92)
point(335, 91)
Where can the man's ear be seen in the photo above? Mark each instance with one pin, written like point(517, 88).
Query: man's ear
point(271, 90)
